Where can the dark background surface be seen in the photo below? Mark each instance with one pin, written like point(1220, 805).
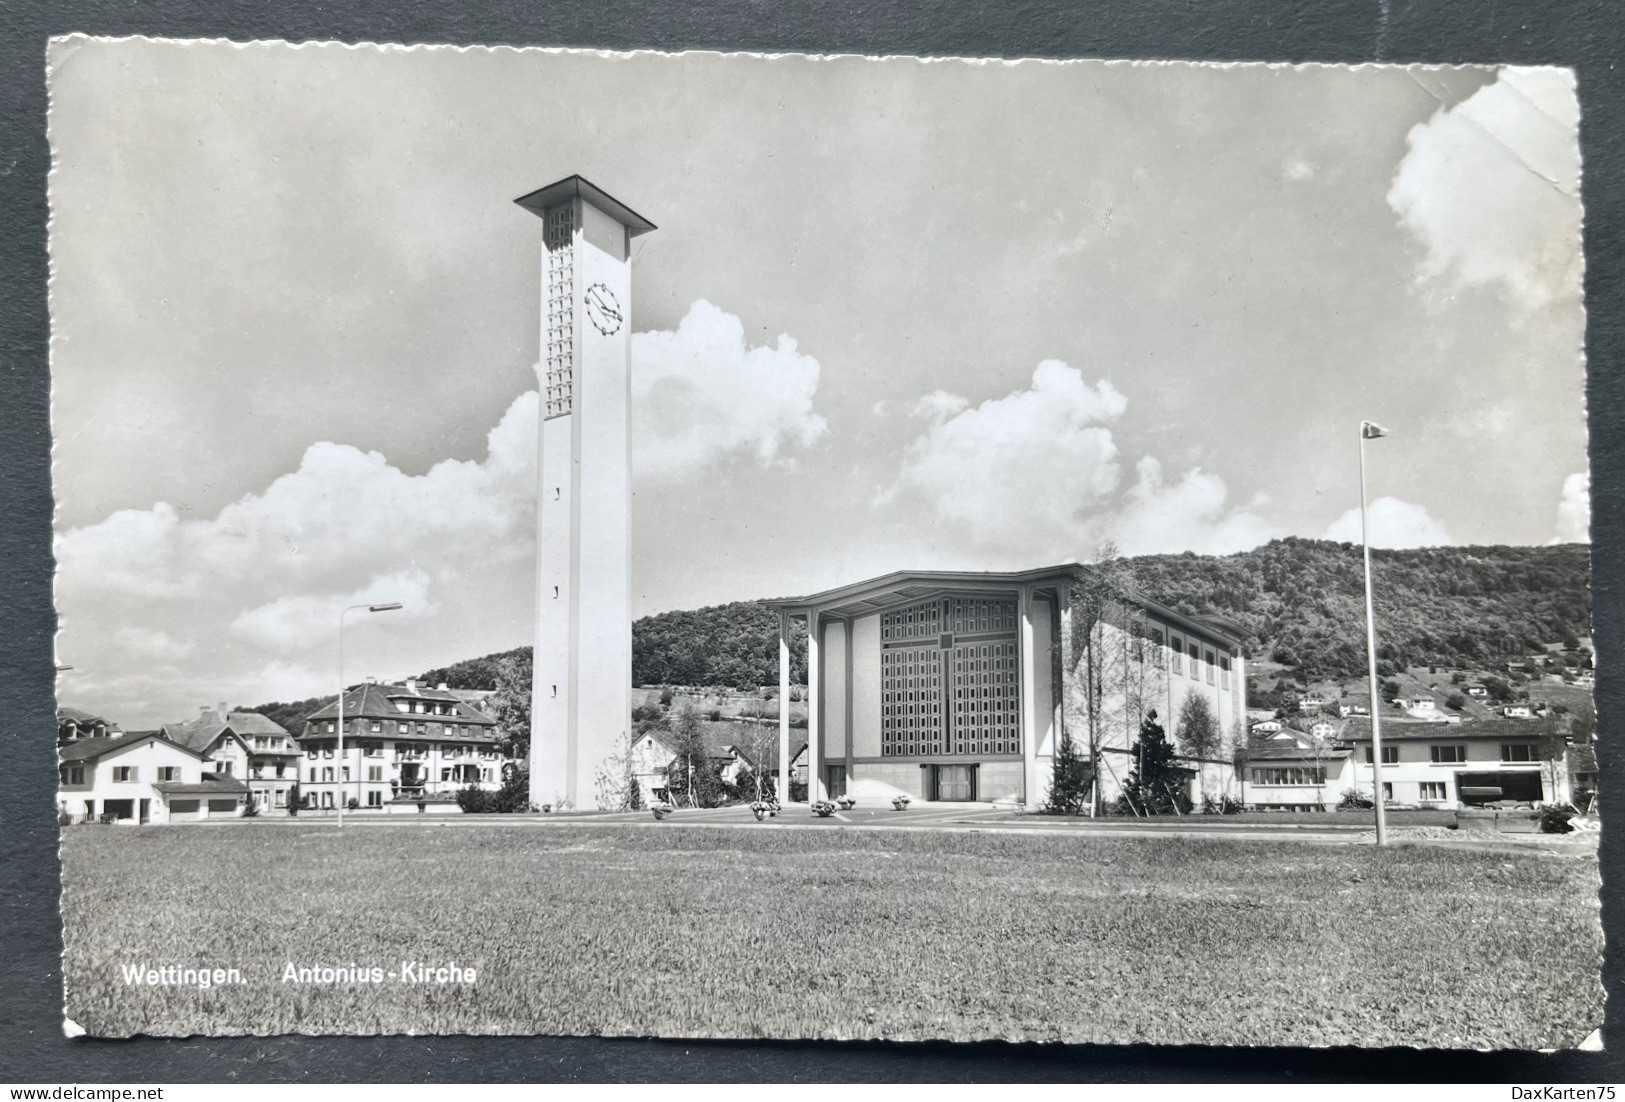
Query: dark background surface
point(1585, 34)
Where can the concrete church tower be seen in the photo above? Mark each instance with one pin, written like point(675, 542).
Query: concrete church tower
point(582, 690)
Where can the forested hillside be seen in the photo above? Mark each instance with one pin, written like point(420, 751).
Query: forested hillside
point(1302, 601)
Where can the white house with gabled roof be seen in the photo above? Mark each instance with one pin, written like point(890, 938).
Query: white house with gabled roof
point(142, 778)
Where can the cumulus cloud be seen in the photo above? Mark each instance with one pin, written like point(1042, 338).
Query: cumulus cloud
point(294, 623)
point(1574, 510)
point(1490, 188)
point(1394, 524)
point(250, 597)
point(1038, 472)
point(700, 392)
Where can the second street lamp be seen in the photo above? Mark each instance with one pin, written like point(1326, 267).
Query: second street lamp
point(1370, 430)
point(388, 607)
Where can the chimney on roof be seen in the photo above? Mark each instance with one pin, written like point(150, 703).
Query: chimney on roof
point(411, 684)
point(221, 707)
point(372, 680)
point(442, 686)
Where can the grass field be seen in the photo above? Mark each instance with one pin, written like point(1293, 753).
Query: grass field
point(843, 933)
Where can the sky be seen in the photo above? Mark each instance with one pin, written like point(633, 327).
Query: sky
point(897, 314)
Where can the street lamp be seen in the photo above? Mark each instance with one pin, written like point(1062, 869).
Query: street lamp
point(390, 607)
point(1370, 430)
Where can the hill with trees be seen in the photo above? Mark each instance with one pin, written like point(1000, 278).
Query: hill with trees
point(1303, 601)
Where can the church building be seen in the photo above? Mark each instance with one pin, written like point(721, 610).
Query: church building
point(959, 685)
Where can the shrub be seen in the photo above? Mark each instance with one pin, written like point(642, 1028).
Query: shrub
point(666, 697)
point(473, 800)
point(1556, 819)
point(1354, 800)
point(714, 715)
point(293, 800)
point(1455, 702)
point(251, 809)
point(646, 713)
point(353, 804)
point(64, 817)
point(798, 792)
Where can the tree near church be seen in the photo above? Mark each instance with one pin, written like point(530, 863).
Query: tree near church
point(1199, 734)
point(1070, 780)
point(693, 777)
point(510, 705)
point(1101, 648)
point(1155, 784)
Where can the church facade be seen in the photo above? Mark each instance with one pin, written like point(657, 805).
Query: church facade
point(957, 686)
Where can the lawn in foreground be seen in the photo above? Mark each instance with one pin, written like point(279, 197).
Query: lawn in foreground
point(692, 932)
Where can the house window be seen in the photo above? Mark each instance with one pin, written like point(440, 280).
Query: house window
point(344, 773)
point(223, 768)
point(1211, 663)
point(1519, 751)
point(1291, 775)
point(1176, 647)
point(327, 751)
point(281, 799)
point(1387, 792)
point(169, 773)
point(445, 774)
point(376, 726)
point(375, 772)
point(124, 773)
point(1448, 755)
point(1196, 661)
point(330, 727)
point(374, 749)
point(327, 800)
point(403, 728)
point(1224, 671)
point(73, 774)
point(313, 776)
point(375, 798)
point(327, 775)
point(402, 706)
point(310, 751)
point(279, 770)
point(1432, 790)
point(1390, 755)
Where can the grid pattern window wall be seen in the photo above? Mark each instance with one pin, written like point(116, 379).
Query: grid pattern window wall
point(911, 701)
point(976, 615)
point(560, 307)
point(923, 621)
point(985, 699)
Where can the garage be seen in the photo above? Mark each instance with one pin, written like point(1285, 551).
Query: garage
point(222, 807)
point(1520, 786)
point(181, 811)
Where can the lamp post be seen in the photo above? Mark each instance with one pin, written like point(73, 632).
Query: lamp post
point(1370, 430)
point(390, 607)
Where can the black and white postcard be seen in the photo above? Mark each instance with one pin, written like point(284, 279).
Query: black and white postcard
point(706, 545)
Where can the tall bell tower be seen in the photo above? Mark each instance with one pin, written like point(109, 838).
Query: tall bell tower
point(581, 694)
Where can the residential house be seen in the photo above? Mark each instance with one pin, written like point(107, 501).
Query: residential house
point(1518, 711)
point(142, 777)
point(246, 745)
point(1483, 762)
point(402, 743)
point(1477, 690)
point(735, 755)
point(1298, 777)
point(1267, 726)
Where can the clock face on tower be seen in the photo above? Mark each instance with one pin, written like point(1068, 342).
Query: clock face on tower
point(603, 310)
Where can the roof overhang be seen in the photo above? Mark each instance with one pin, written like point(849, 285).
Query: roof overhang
point(903, 587)
point(540, 200)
